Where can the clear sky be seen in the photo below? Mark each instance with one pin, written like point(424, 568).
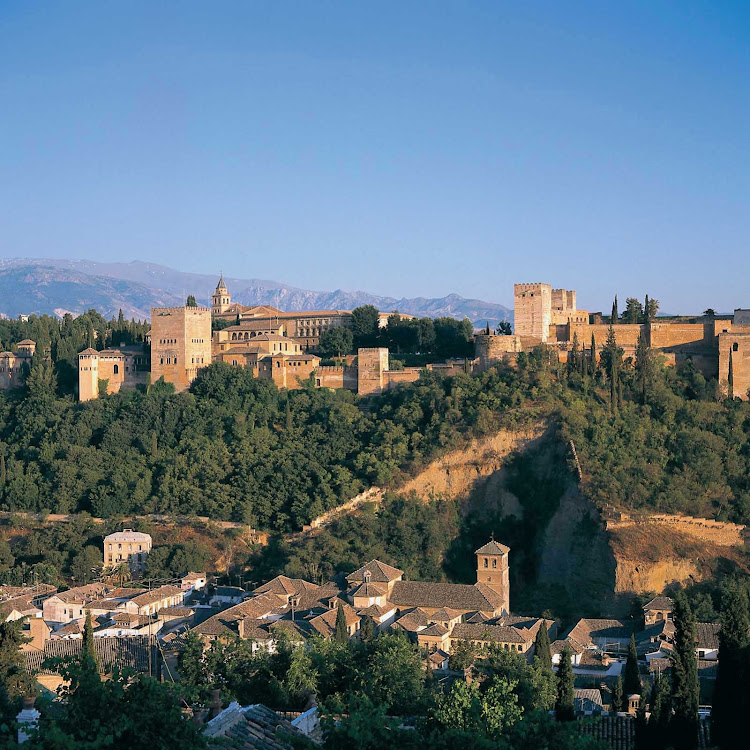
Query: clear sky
point(405, 148)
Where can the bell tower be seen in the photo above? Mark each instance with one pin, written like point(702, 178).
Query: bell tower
point(220, 299)
point(493, 569)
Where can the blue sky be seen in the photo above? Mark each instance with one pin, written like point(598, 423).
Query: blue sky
point(405, 148)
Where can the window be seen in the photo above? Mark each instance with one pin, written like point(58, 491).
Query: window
point(117, 370)
point(486, 563)
point(494, 562)
point(735, 347)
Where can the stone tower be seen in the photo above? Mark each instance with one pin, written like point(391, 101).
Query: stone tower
point(532, 310)
point(372, 363)
point(493, 569)
point(220, 299)
point(88, 374)
point(180, 344)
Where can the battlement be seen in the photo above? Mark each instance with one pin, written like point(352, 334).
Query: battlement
point(537, 286)
point(177, 310)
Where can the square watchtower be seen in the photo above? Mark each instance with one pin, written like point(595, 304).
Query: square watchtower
point(493, 569)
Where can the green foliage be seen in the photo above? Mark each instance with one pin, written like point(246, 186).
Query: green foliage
point(124, 711)
point(731, 703)
point(341, 633)
point(15, 681)
point(542, 653)
point(685, 688)
point(336, 341)
point(632, 681)
point(618, 695)
point(565, 703)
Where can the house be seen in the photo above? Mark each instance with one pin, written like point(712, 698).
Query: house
point(588, 701)
point(66, 606)
point(193, 582)
point(657, 610)
point(150, 602)
point(610, 635)
point(127, 546)
point(227, 595)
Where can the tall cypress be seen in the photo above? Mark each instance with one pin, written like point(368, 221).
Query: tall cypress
point(618, 703)
point(685, 687)
point(614, 316)
point(542, 651)
point(592, 361)
point(660, 704)
point(566, 694)
point(731, 702)
point(632, 671)
point(341, 633)
point(730, 376)
point(89, 657)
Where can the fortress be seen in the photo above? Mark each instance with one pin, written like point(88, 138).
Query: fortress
point(718, 346)
point(280, 346)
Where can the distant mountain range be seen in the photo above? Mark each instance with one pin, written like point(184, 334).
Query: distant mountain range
point(54, 286)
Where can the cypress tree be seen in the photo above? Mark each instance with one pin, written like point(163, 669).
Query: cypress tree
point(730, 377)
point(731, 702)
point(366, 629)
point(632, 671)
point(565, 703)
point(685, 687)
point(542, 651)
point(573, 356)
point(592, 362)
point(89, 659)
point(617, 699)
point(660, 704)
point(614, 316)
point(288, 415)
point(341, 634)
point(3, 475)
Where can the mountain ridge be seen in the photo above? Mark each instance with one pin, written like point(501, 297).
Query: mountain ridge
point(47, 285)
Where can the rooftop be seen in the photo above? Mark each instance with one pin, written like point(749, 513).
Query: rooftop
point(459, 596)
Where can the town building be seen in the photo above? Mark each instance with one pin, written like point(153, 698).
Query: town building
point(15, 365)
point(127, 546)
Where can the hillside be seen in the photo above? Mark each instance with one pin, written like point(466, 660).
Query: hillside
point(55, 285)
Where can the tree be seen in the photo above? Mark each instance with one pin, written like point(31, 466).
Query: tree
point(614, 316)
point(15, 681)
point(565, 704)
point(650, 309)
point(542, 653)
point(365, 325)
point(191, 301)
point(643, 366)
point(503, 328)
point(125, 711)
point(341, 633)
point(618, 700)
point(301, 678)
point(190, 664)
point(685, 688)
point(88, 651)
point(367, 629)
point(85, 564)
point(632, 671)
point(336, 341)
point(710, 312)
point(660, 704)
point(612, 361)
point(633, 310)
point(462, 655)
point(731, 704)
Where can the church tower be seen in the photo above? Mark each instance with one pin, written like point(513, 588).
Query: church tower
point(493, 570)
point(220, 299)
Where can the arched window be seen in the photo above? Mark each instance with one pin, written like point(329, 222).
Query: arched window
point(735, 347)
point(117, 369)
point(486, 563)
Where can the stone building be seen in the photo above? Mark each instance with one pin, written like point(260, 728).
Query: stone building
point(127, 546)
point(180, 344)
point(109, 370)
point(15, 365)
point(548, 316)
point(305, 327)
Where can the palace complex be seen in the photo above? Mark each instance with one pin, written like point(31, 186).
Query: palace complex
point(281, 346)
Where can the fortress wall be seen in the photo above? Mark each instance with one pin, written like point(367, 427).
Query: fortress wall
point(665, 335)
point(626, 334)
point(491, 349)
point(738, 345)
point(393, 378)
point(329, 377)
point(371, 364)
